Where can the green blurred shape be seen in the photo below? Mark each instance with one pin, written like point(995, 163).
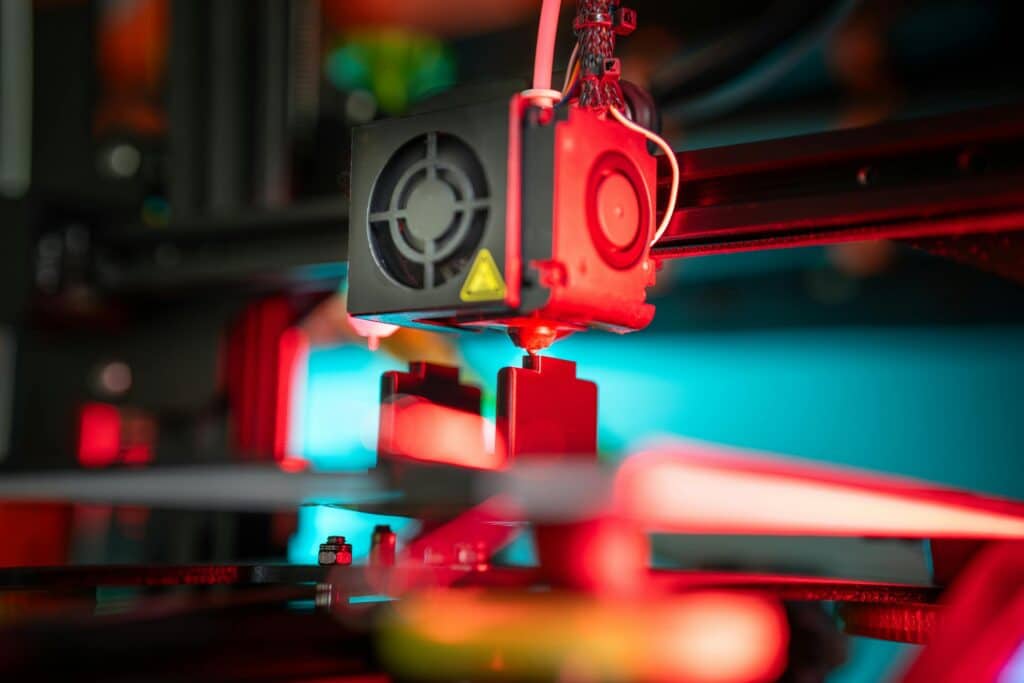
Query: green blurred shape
point(399, 67)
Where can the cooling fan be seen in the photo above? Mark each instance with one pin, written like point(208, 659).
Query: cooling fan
point(427, 221)
point(503, 215)
point(428, 211)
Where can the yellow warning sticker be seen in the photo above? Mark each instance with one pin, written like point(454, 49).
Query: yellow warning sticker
point(484, 282)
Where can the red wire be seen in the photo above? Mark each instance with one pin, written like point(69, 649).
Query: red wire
point(544, 62)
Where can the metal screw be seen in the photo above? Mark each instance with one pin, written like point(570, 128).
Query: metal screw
point(324, 595)
point(335, 552)
point(471, 556)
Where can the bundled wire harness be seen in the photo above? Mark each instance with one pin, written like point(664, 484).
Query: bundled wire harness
point(594, 72)
point(595, 28)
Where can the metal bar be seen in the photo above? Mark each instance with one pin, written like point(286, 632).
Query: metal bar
point(248, 224)
point(304, 65)
point(150, 575)
point(950, 175)
point(15, 97)
point(272, 163)
point(186, 106)
point(199, 487)
point(227, 116)
point(244, 246)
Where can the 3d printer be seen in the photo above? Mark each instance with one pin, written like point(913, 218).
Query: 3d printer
point(542, 215)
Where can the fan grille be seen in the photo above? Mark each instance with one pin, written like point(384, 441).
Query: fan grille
point(428, 211)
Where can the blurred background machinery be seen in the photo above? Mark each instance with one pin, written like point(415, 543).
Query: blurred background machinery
point(174, 183)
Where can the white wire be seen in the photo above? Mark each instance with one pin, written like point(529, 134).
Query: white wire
point(548, 97)
point(547, 38)
point(670, 154)
point(543, 96)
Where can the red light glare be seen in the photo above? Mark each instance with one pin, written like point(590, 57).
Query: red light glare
point(982, 625)
point(459, 16)
point(428, 432)
point(619, 556)
point(607, 557)
point(488, 527)
point(722, 638)
point(99, 435)
point(293, 465)
point(688, 492)
point(133, 44)
point(139, 454)
point(697, 637)
point(292, 358)
point(467, 542)
point(139, 433)
point(35, 534)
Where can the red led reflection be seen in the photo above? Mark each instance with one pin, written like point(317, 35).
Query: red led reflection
point(292, 357)
point(99, 435)
point(705, 637)
point(723, 638)
point(982, 627)
point(606, 556)
point(293, 465)
point(138, 454)
point(688, 492)
point(444, 555)
point(428, 432)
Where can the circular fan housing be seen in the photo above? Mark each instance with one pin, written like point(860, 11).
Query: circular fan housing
point(428, 211)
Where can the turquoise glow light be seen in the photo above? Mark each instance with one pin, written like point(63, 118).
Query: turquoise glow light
point(941, 404)
point(333, 426)
point(926, 403)
point(335, 411)
point(870, 398)
point(317, 522)
point(369, 599)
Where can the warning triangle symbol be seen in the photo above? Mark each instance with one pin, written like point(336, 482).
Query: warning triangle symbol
point(484, 282)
